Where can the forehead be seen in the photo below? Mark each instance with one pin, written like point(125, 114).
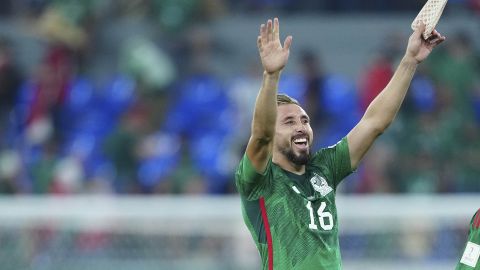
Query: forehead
point(290, 110)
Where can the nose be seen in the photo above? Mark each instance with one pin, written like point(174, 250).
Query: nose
point(301, 128)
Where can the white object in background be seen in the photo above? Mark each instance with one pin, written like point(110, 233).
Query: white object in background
point(429, 15)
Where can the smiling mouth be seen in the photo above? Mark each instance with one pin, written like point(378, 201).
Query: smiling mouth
point(300, 141)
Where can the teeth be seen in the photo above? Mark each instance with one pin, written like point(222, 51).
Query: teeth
point(300, 140)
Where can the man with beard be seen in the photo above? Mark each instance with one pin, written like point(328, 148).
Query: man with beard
point(469, 260)
point(287, 192)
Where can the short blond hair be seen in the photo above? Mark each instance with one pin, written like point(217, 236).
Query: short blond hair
point(285, 99)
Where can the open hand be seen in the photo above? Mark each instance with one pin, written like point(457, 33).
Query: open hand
point(419, 48)
point(274, 57)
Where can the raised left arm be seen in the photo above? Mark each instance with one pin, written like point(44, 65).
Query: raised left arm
point(382, 110)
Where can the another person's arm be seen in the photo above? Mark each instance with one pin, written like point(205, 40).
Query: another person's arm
point(382, 110)
point(274, 57)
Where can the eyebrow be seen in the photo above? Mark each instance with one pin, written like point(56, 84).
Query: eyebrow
point(290, 117)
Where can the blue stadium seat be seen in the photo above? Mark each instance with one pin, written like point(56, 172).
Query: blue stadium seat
point(422, 94)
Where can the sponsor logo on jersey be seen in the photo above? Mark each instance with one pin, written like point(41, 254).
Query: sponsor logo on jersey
point(320, 185)
point(471, 254)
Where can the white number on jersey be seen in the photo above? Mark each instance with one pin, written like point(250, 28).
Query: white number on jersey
point(325, 218)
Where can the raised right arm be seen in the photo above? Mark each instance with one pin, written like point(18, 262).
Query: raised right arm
point(274, 57)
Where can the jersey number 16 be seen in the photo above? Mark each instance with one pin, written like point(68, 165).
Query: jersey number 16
point(325, 218)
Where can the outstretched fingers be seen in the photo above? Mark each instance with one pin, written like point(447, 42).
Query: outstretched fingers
point(276, 29)
point(287, 43)
point(270, 30)
point(263, 34)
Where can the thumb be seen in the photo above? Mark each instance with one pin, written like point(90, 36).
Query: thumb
point(287, 43)
point(420, 28)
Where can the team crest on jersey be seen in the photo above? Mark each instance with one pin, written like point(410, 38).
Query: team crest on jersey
point(320, 185)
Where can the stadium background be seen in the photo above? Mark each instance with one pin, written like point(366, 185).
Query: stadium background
point(121, 123)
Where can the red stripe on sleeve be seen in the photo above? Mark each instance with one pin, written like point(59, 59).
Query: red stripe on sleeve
point(476, 222)
point(267, 232)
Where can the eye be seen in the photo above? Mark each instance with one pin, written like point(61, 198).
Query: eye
point(290, 122)
point(306, 121)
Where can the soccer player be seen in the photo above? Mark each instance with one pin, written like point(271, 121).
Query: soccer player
point(469, 260)
point(287, 191)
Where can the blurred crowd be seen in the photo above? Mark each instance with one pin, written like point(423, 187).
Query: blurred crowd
point(151, 114)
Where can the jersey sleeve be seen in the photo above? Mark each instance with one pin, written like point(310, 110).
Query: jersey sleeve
point(335, 159)
point(250, 183)
point(471, 254)
point(474, 233)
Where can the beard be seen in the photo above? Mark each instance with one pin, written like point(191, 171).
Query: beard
point(297, 159)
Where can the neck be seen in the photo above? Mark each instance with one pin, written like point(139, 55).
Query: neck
point(284, 163)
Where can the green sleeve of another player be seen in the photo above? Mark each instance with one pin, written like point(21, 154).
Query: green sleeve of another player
point(470, 259)
point(336, 159)
point(474, 234)
point(250, 183)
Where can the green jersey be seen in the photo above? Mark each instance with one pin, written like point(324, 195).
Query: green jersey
point(471, 254)
point(294, 221)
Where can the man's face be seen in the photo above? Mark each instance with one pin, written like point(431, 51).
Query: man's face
point(293, 137)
